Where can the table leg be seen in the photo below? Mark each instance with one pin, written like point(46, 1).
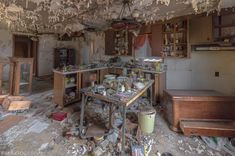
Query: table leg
point(110, 115)
point(151, 95)
point(82, 115)
point(123, 130)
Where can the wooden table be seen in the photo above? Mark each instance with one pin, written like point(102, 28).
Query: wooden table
point(124, 103)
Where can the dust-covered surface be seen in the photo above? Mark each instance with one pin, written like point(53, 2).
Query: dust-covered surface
point(41, 135)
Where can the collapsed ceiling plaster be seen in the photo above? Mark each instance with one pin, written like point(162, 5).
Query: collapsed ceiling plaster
point(60, 16)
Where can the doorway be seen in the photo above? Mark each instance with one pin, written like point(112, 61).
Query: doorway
point(25, 47)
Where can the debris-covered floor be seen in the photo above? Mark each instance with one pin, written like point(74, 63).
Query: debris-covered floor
point(39, 134)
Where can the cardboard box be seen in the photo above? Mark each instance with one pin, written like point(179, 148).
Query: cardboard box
point(15, 103)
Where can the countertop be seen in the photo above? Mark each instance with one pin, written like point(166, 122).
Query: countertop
point(100, 68)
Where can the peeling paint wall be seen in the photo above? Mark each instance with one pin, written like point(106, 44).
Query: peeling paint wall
point(6, 43)
point(46, 46)
point(199, 72)
point(47, 43)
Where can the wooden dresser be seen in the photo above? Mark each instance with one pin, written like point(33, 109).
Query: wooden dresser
point(197, 105)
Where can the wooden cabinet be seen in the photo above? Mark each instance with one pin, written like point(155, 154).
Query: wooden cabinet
point(200, 30)
point(170, 39)
point(197, 105)
point(66, 88)
point(63, 85)
point(64, 57)
point(23, 75)
point(224, 28)
point(159, 86)
point(175, 38)
point(6, 76)
point(118, 42)
point(157, 41)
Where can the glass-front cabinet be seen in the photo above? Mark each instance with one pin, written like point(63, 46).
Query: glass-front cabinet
point(23, 75)
point(6, 76)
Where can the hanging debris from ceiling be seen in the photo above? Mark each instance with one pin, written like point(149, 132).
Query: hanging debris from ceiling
point(66, 16)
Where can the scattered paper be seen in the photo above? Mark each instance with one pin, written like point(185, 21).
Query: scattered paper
point(38, 127)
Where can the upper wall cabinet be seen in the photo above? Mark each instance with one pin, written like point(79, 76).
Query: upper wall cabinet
point(175, 39)
point(200, 30)
point(119, 43)
point(224, 28)
point(157, 41)
point(64, 57)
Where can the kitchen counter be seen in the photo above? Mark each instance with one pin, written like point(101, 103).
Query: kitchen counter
point(100, 68)
point(82, 80)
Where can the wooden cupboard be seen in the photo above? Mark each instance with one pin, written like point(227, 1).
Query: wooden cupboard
point(224, 28)
point(67, 91)
point(62, 87)
point(66, 88)
point(200, 30)
point(6, 76)
point(157, 41)
point(64, 57)
point(23, 75)
point(175, 38)
point(118, 42)
point(197, 105)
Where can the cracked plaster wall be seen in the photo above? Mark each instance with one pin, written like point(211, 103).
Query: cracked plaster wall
point(46, 46)
point(6, 44)
point(47, 43)
point(198, 72)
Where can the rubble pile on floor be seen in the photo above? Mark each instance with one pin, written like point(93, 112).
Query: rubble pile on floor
point(49, 130)
point(104, 141)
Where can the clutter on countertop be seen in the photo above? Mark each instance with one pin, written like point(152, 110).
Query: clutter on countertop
point(120, 88)
point(146, 64)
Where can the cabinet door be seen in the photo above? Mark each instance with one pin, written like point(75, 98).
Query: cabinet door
point(109, 42)
point(56, 58)
point(200, 29)
point(130, 44)
point(71, 57)
point(156, 40)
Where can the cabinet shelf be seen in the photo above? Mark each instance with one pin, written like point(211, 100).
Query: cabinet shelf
point(24, 83)
point(222, 37)
point(224, 25)
point(70, 85)
point(224, 28)
point(168, 32)
point(178, 39)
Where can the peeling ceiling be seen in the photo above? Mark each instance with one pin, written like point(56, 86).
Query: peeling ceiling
point(66, 16)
